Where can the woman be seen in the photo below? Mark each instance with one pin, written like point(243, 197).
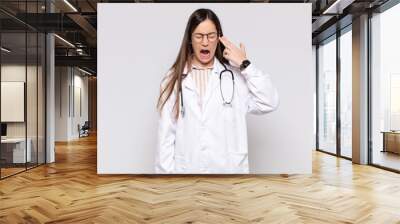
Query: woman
point(202, 126)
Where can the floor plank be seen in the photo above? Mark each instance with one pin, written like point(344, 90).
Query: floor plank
point(70, 191)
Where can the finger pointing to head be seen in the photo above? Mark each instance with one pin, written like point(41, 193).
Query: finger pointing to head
point(242, 47)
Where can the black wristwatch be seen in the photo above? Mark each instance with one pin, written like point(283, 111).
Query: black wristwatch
point(244, 64)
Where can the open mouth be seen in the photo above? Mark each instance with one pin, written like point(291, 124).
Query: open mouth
point(204, 53)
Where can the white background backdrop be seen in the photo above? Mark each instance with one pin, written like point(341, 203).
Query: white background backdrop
point(137, 44)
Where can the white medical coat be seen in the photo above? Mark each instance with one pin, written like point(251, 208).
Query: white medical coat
point(213, 140)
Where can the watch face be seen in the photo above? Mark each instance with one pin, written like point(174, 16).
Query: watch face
point(244, 64)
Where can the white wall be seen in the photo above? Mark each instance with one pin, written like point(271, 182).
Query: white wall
point(61, 103)
point(68, 81)
point(79, 117)
point(132, 61)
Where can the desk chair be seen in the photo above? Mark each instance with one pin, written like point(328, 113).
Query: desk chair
point(84, 130)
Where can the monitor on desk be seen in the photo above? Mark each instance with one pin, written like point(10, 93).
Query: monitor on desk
point(3, 130)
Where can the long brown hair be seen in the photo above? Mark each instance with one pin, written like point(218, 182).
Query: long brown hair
point(173, 81)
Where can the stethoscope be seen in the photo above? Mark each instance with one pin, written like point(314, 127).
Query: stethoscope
point(224, 102)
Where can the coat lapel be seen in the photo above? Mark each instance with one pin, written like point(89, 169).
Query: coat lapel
point(188, 82)
point(188, 86)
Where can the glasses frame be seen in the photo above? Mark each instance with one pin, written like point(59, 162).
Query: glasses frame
point(202, 37)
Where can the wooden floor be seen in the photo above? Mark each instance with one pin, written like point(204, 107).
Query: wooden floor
point(387, 159)
point(5, 172)
point(70, 191)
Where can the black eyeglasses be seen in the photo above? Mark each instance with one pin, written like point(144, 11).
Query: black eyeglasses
point(198, 37)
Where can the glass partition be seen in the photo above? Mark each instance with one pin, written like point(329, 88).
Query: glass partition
point(22, 77)
point(13, 109)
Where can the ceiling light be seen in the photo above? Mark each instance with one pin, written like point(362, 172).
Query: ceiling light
point(338, 6)
point(5, 50)
point(84, 71)
point(70, 5)
point(65, 41)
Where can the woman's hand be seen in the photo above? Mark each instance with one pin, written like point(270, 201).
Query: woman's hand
point(232, 53)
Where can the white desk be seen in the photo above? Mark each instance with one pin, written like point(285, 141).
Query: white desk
point(19, 149)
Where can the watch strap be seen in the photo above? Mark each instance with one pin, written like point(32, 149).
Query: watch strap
point(244, 64)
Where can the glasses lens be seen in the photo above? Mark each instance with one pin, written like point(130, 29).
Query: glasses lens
point(212, 36)
point(197, 37)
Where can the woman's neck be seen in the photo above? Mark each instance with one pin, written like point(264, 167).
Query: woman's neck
point(202, 65)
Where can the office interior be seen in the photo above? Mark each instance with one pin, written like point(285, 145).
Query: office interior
point(48, 86)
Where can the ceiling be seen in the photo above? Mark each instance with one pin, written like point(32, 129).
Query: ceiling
point(76, 22)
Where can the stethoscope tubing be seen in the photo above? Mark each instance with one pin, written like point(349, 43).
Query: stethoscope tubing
point(220, 88)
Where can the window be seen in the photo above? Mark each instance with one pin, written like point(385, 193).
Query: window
point(346, 93)
point(385, 88)
point(327, 96)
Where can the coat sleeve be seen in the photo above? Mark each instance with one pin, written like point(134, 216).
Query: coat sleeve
point(164, 160)
point(262, 95)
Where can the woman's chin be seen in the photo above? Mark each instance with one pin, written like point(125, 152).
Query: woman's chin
point(205, 60)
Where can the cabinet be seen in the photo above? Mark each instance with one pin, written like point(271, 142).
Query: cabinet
point(391, 142)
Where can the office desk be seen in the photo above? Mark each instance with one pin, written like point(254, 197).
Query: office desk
point(391, 141)
point(13, 150)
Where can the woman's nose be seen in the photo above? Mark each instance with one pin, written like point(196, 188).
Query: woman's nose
point(204, 41)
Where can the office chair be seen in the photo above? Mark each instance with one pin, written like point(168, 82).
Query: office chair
point(84, 130)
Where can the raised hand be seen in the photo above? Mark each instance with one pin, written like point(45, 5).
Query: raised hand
point(233, 53)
